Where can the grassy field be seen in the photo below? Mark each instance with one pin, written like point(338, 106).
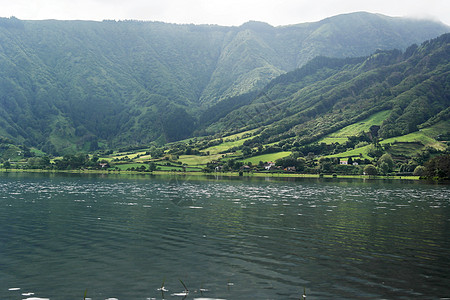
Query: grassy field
point(364, 125)
point(124, 167)
point(341, 135)
point(418, 136)
point(442, 127)
point(225, 146)
point(238, 135)
point(358, 152)
point(406, 145)
point(266, 157)
point(194, 160)
point(331, 140)
point(125, 154)
point(406, 149)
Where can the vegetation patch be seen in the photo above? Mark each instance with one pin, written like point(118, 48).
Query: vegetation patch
point(195, 160)
point(416, 137)
point(361, 126)
point(266, 157)
point(226, 145)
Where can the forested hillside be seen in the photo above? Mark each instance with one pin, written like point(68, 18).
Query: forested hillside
point(67, 86)
point(328, 94)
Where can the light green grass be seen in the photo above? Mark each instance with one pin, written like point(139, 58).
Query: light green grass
point(131, 156)
point(37, 152)
point(225, 146)
point(414, 137)
point(418, 136)
point(341, 135)
point(169, 168)
point(238, 135)
point(364, 125)
point(332, 140)
point(406, 149)
point(195, 160)
point(442, 127)
point(144, 157)
point(266, 157)
point(358, 152)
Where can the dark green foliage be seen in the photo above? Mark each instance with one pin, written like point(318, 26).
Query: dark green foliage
point(224, 107)
point(290, 161)
point(328, 94)
point(419, 171)
point(438, 167)
point(71, 162)
point(69, 86)
point(370, 170)
point(386, 164)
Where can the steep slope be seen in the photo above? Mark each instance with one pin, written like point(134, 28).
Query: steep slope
point(67, 86)
point(328, 94)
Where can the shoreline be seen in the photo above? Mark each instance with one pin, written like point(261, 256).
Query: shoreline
point(216, 174)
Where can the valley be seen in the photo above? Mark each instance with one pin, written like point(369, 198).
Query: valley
point(227, 109)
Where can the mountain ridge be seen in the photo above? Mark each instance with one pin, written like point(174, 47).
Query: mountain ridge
point(67, 86)
point(328, 94)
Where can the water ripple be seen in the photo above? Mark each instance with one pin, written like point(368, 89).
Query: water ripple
point(270, 239)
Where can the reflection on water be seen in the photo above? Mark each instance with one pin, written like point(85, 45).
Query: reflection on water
point(121, 237)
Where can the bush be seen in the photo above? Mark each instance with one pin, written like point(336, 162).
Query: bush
point(419, 171)
point(361, 144)
point(370, 170)
point(438, 167)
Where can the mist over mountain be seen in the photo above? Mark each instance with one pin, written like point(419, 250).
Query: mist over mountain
point(67, 86)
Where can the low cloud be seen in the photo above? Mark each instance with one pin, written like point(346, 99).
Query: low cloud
point(223, 12)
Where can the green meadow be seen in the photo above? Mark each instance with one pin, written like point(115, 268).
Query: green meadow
point(266, 157)
point(341, 135)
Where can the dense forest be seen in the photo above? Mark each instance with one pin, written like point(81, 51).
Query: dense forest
point(70, 86)
point(328, 94)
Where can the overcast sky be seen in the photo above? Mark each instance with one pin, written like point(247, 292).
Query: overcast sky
point(222, 12)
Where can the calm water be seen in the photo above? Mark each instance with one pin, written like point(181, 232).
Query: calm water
point(122, 237)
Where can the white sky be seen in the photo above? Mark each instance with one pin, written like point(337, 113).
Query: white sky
point(222, 12)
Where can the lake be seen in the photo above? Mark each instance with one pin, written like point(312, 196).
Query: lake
point(123, 237)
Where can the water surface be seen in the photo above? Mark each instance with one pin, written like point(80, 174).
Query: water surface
point(122, 237)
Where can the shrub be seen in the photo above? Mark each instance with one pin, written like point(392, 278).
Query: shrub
point(419, 171)
point(370, 170)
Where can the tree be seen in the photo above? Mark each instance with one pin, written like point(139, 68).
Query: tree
point(386, 163)
point(7, 165)
point(384, 168)
point(419, 171)
point(374, 150)
point(370, 170)
point(156, 152)
point(326, 165)
point(152, 167)
point(438, 167)
point(246, 150)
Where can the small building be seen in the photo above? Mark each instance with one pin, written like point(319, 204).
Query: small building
point(343, 162)
point(269, 166)
point(246, 168)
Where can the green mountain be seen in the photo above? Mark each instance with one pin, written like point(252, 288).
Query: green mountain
point(67, 86)
point(410, 90)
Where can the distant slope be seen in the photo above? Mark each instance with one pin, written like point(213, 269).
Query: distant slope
point(329, 94)
point(67, 86)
